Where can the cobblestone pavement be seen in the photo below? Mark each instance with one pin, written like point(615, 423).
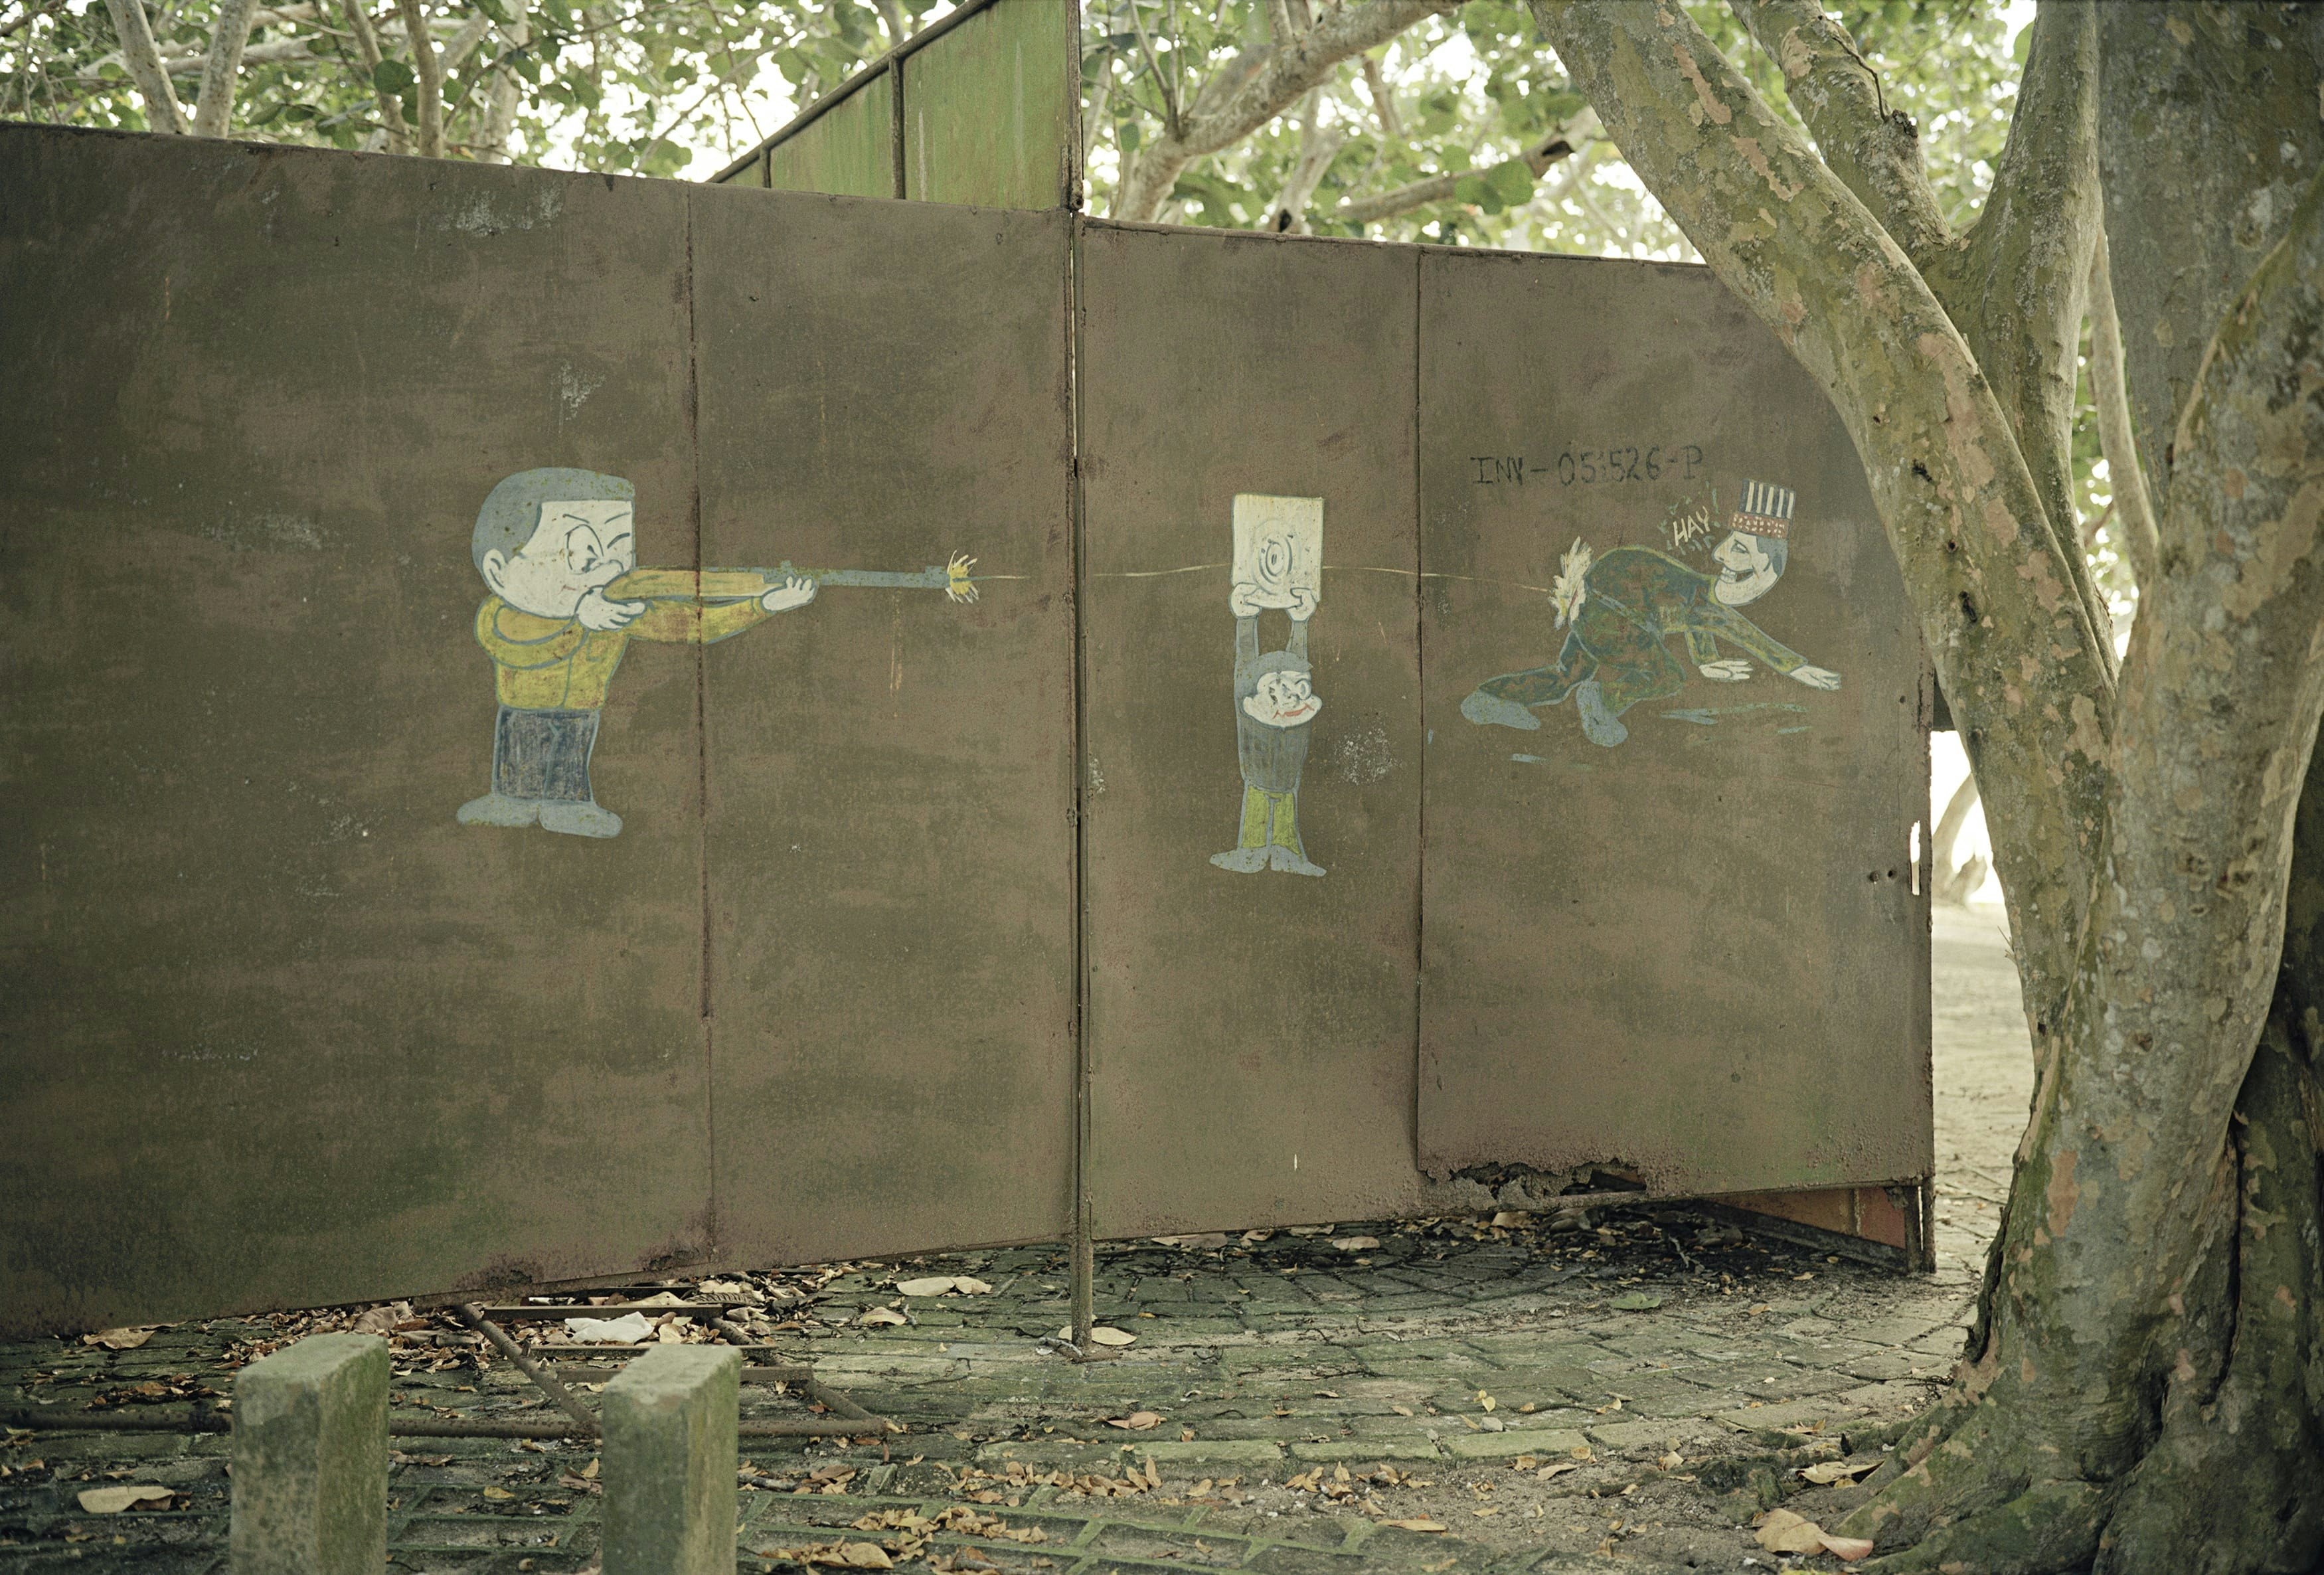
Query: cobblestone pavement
point(1442, 1397)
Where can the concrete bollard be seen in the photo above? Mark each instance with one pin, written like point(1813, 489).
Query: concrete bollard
point(311, 1460)
point(669, 1462)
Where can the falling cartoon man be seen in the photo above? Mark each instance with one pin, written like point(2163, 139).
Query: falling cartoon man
point(1625, 605)
point(548, 544)
point(1275, 702)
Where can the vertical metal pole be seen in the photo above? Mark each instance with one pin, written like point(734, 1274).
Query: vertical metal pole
point(1085, 1254)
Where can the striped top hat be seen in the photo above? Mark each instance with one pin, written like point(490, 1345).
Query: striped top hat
point(1765, 510)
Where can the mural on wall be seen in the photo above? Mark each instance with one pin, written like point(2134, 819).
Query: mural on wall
point(557, 551)
point(1278, 563)
point(1621, 608)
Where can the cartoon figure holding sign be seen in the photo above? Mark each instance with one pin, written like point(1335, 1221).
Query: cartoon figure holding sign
point(1278, 560)
point(1623, 606)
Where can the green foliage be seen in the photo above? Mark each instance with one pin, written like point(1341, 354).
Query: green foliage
point(633, 85)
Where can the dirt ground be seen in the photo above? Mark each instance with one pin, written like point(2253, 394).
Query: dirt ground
point(1624, 1391)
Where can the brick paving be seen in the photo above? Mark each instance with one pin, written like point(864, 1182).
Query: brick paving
point(1309, 1395)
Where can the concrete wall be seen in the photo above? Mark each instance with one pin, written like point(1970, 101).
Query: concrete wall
point(276, 1029)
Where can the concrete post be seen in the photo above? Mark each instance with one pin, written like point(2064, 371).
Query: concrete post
point(311, 1460)
point(669, 1462)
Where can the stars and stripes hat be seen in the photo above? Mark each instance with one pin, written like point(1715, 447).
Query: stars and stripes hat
point(1765, 510)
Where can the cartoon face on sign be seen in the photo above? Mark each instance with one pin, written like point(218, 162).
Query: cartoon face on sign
point(1278, 546)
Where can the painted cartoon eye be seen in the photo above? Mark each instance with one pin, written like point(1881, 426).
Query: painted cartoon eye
point(1275, 566)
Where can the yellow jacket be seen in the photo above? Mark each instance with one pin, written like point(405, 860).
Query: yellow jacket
point(554, 663)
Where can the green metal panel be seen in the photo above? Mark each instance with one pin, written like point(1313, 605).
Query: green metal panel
point(847, 151)
point(992, 109)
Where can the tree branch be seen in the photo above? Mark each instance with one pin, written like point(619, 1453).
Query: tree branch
point(430, 71)
point(891, 17)
point(214, 112)
point(2026, 673)
point(2134, 510)
point(145, 63)
point(390, 107)
point(1435, 189)
point(1318, 147)
point(1875, 150)
point(2016, 285)
point(1270, 85)
point(1383, 99)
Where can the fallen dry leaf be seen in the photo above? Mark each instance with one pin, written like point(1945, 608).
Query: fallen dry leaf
point(1825, 1472)
point(118, 1339)
point(1356, 1243)
point(1418, 1526)
point(934, 1286)
point(1137, 1420)
point(114, 1500)
point(882, 1315)
point(1671, 1461)
point(498, 1493)
point(1510, 1217)
point(1848, 1549)
point(1782, 1531)
point(1556, 1468)
point(1208, 1238)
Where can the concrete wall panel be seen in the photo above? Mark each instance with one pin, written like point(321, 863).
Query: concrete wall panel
point(1695, 955)
point(1251, 1033)
point(275, 1028)
point(891, 772)
point(847, 151)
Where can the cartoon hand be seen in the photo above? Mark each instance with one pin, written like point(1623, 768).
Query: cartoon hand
point(1727, 670)
point(596, 613)
point(1243, 600)
point(1303, 599)
point(796, 591)
point(1817, 677)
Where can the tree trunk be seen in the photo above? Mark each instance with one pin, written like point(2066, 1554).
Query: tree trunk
point(222, 72)
point(430, 68)
point(2145, 1385)
point(144, 62)
point(1952, 883)
point(500, 111)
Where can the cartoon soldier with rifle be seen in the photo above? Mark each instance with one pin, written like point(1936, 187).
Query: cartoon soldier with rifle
point(1623, 606)
point(557, 549)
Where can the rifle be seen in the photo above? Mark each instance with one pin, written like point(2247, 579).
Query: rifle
point(748, 585)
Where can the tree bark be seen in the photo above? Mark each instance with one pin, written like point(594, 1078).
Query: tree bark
point(145, 63)
point(429, 70)
point(2146, 1384)
point(222, 72)
point(2134, 510)
point(1251, 91)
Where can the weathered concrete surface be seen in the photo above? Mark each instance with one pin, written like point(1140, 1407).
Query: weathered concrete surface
point(310, 1459)
point(888, 848)
point(1281, 1006)
point(1337, 1363)
point(669, 1457)
point(1276, 1375)
point(277, 1030)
